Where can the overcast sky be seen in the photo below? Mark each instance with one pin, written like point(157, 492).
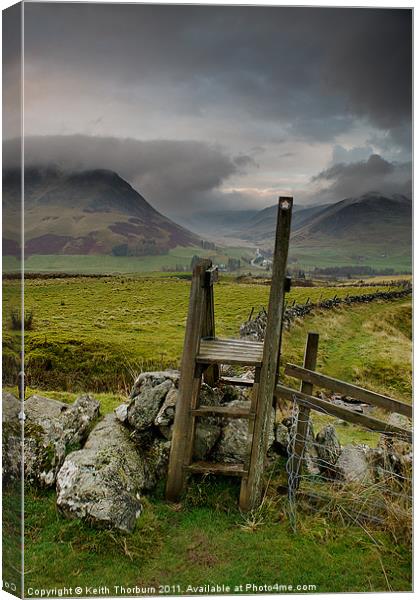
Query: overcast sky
point(222, 106)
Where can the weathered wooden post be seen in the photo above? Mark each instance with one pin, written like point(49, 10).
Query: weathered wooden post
point(310, 359)
point(189, 384)
point(251, 489)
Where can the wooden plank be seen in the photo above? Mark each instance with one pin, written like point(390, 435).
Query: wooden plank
point(310, 359)
point(212, 373)
point(226, 350)
point(349, 389)
point(251, 492)
point(217, 468)
point(231, 345)
point(239, 381)
point(340, 412)
point(183, 424)
point(223, 347)
point(224, 360)
point(233, 412)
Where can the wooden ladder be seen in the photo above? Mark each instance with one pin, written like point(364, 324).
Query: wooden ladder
point(204, 353)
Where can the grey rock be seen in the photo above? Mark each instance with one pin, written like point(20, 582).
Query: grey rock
point(286, 431)
point(166, 414)
point(121, 413)
point(230, 393)
point(395, 447)
point(11, 407)
point(152, 379)
point(209, 396)
point(282, 438)
point(311, 456)
point(144, 408)
point(328, 450)
point(353, 464)
point(208, 429)
point(207, 432)
point(233, 446)
point(52, 430)
point(102, 482)
point(11, 437)
point(166, 431)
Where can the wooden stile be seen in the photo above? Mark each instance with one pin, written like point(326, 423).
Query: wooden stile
point(203, 354)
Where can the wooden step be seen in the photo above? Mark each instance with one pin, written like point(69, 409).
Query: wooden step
point(239, 381)
point(236, 469)
point(233, 412)
point(230, 352)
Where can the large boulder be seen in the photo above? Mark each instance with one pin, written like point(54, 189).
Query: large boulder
point(52, 429)
point(102, 482)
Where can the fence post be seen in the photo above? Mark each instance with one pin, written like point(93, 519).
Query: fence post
point(310, 359)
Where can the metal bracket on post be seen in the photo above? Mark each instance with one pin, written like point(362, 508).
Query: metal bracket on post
point(210, 277)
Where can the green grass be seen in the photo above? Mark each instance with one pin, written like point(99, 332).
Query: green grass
point(96, 333)
point(116, 264)
point(207, 541)
point(326, 254)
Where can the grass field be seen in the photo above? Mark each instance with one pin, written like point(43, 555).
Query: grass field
point(320, 254)
point(94, 333)
point(343, 254)
point(119, 264)
point(89, 333)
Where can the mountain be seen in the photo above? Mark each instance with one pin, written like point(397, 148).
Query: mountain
point(373, 218)
point(262, 224)
point(86, 212)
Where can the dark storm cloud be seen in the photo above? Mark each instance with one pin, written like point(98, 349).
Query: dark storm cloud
point(345, 180)
point(315, 69)
point(172, 175)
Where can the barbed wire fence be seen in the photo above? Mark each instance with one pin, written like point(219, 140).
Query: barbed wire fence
point(378, 492)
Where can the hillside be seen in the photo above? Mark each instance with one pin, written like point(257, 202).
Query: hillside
point(383, 223)
point(86, 212)
point(262, 224)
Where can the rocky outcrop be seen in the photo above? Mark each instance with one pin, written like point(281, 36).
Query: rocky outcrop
point(51, 430)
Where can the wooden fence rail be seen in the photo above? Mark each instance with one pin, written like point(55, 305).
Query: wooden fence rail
point(326, 407)
point(307, 401)
point(335, 385)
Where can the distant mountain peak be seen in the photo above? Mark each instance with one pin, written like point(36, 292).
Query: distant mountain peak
point(89, 212)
